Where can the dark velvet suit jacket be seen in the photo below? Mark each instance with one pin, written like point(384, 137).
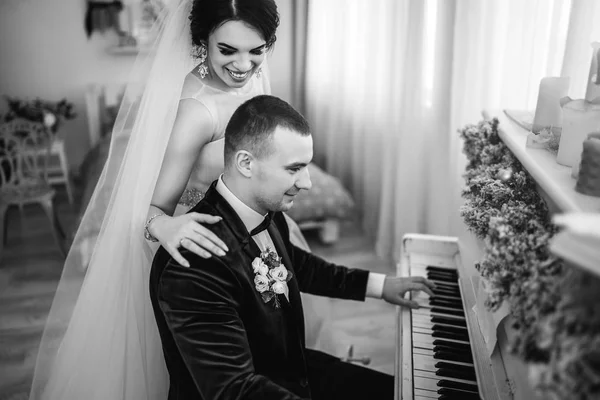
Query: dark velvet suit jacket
point(220, 339)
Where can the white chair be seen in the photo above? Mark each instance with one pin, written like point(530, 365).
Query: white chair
point(58, 173)
point(24, 153)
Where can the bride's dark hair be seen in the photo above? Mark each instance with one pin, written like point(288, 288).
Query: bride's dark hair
point(208, 15)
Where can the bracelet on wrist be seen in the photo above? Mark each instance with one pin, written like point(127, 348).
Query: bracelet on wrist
point(147, 235)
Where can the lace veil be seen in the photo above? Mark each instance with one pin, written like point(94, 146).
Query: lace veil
point(100, 339)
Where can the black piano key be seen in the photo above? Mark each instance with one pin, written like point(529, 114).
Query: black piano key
point(438, 310)
point(450, 329)
point(443, 284)
point(462, 346)
point(458, 367)
point(449, 291)
point(459, 394)
point(450, 274)
point(452, 336)
point(467, 387)
point(448, 321)
point(453, 397)
point(454, 373)
point(446, 307)
point(453, 350)
point(445, 303)
point(440, 278)
point(438, 293)
point(441, 270)
point(447, 356)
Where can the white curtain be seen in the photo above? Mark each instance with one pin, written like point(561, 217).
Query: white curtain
point(389, 82)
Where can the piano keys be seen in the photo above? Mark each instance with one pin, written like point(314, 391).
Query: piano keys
point(440, 353)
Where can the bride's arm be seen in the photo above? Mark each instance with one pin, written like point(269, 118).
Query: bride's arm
point(191, 131)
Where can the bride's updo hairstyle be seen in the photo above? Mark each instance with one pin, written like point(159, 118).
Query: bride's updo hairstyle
point(208, 15)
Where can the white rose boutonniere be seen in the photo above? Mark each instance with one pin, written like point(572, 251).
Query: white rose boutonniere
point(271, 276)
point(261, 282)
point(260, 267)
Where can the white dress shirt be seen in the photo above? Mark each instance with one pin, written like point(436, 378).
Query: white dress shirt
point(252, 219)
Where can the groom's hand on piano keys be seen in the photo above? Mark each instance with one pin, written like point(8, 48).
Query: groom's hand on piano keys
point(394, 289)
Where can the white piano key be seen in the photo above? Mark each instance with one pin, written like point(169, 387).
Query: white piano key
point(419, 397)
point(428, 339)
point(426, 384)
point(429, 394)
point(425, 358)
point(422, 348)
point(423, 362)
point(425, 305)
point(432, 375)
point(428, 313)
point(424, 352)
point(427, 324)
point(424, 331)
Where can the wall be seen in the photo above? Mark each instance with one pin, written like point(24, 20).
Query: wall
point(44, 51)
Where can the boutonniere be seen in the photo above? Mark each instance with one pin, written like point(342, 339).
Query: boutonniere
point(271, 276)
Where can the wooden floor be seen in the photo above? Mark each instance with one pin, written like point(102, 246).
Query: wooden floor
point(30, 267)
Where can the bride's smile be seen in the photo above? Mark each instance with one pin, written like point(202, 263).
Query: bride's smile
point(235, 53)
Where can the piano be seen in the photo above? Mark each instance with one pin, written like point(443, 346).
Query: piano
point(441, 352)
point(452, 347)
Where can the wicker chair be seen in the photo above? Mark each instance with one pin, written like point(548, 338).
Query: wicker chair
point(24, 154)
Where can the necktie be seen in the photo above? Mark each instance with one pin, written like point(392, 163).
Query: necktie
point(263, 225)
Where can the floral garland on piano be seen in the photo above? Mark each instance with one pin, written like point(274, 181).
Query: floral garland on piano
point(555, 309)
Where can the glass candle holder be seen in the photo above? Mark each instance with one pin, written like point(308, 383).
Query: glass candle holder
point(580, 117)
point(548, 112)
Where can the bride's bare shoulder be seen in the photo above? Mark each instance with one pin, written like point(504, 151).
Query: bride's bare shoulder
point(191, 84)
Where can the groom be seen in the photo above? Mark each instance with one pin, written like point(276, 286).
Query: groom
point(232, 327)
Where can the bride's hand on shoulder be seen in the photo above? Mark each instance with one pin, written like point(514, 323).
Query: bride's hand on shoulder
point(186, 231)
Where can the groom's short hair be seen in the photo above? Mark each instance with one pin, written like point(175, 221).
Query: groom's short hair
point(252, 125)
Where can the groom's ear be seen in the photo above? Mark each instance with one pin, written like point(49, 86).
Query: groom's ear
point(243, 163)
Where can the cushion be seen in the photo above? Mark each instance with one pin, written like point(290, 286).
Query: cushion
point(326, 199)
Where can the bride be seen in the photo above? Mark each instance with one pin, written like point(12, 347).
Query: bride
point(101, 339)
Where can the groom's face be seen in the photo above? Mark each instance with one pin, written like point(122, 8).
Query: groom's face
point(283, 173)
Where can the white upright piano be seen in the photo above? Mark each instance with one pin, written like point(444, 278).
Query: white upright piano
point(452, 347)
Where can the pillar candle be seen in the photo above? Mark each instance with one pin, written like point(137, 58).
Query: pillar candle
point(593, 83)
point(548, 112)
point(588, 180)
point(580, 117)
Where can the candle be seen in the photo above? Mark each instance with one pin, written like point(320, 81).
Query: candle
point(548, 112)
point(580, 117)
point(593, 83)
point(588, 180)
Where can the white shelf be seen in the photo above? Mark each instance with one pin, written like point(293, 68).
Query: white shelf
point(557, 184)
point(554, 179)
point(583, 251)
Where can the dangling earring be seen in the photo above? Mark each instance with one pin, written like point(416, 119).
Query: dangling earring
point(258, 72)
point(202, 68)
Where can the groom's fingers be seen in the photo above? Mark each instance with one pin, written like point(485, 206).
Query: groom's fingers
point(407, 303)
